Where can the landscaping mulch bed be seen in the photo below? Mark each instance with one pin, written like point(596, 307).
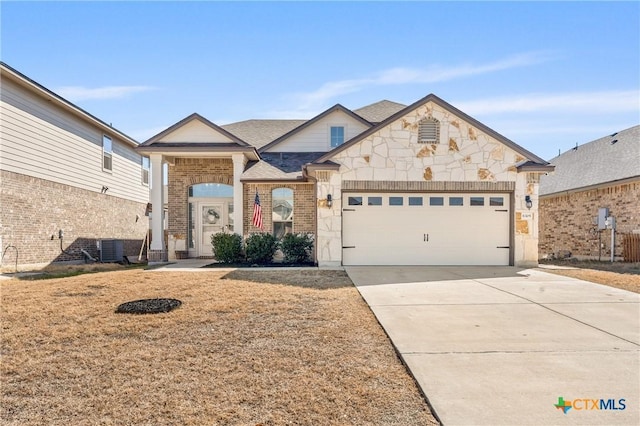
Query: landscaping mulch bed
point(148, 306)
point(260, 265)
point(245, 348)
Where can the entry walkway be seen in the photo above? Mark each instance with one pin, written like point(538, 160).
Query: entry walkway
point(500, 345)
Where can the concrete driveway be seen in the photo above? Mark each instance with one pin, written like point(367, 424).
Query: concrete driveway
point(501, 345)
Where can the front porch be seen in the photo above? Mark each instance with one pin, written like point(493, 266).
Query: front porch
point(204, 196)
point(196, 152)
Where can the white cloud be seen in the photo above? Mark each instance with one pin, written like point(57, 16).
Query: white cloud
point(79, 93)
point(610, 101)
point(401, 75)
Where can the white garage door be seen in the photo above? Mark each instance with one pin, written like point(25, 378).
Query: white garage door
point(425, 229)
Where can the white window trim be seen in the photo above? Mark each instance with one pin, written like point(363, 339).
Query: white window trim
point(293, 213)
point(147, 169)
point(106, 154)
point(344, 130)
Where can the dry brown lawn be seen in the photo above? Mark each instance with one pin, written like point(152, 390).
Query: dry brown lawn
point(245, 347)
point(620, 275)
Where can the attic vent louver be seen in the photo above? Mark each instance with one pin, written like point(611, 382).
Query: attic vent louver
point(429, 130)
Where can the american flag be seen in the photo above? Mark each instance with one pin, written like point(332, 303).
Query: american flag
point(257, 213)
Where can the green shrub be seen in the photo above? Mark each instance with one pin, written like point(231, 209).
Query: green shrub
point(261, 247)
point(227, 248)
point(297, 248)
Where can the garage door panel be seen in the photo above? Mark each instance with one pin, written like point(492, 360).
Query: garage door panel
point(426, 234)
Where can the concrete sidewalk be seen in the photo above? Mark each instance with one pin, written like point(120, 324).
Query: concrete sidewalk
point(500, 345)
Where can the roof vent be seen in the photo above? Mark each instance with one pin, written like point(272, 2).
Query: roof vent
point(613, 134)
point(614, 141)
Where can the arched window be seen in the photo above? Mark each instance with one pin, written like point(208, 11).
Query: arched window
point(211, 190)
point(429, 131)
point(282, 211)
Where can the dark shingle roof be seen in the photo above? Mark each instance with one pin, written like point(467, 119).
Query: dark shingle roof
point(261, 132)
point(306, 124)
point(279, 165)
point(379, 111)
point(596, 162)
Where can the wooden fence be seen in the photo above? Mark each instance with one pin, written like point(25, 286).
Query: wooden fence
point(631, 248)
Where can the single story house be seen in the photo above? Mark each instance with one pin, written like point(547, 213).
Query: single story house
point(424, 184)
point(601, 174)
point(68, 180)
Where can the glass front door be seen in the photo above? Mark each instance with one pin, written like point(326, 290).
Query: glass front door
point(212, 221)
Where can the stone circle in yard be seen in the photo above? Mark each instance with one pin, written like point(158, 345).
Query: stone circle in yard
point(148, 306)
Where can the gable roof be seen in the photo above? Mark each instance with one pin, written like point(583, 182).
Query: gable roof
point(195, 116)
point(24, 81)
point(433, 98)
point(608, 159)
point(379, 111)
point(336, 107)
point(259, 132)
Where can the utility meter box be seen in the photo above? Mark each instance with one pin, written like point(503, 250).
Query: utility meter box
point(603, 213)
point(610, 222)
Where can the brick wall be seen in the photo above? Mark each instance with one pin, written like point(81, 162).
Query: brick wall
point(189, 171)
point(32, 210)
point(304, 206)
point(566, 221)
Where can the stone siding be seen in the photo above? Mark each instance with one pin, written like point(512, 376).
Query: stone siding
point(186, 172)
point(567, 221)
point(32, 210)
point(462, 154)
point(304, 206)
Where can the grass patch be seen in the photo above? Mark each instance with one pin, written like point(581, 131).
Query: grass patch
point(242, 349)
point(625, 276)
point(66, 271)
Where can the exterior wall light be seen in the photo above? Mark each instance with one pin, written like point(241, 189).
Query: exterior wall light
point(329, 200)
point(528, 202)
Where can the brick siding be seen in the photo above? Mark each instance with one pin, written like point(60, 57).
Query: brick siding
point(32, 210)
point(189, 171)
point(304, 206)
point(566, 221)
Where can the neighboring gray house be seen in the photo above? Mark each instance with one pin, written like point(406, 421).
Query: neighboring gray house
point(602, 173)
point(62, 169)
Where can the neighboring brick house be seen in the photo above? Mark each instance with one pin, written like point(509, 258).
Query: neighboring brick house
point(62, 169)
point(423, 184)
point(604, 173)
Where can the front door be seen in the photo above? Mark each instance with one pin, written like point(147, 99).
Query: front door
point(211, 222)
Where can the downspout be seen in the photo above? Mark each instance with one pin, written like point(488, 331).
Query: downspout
point(305, 175)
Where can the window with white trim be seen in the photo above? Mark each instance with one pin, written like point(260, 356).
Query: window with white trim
point(145, 170)
point(429, 131)
point(282, 211)
point(337, 136)
point(107, 153)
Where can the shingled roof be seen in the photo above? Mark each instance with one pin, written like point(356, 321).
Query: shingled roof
point(279, 166)
point(379, 111)
point(609, 159)
point(259, 133)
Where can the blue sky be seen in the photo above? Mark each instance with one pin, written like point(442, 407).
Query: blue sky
point(547, 75)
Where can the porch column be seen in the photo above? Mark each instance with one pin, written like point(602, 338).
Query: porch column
point(239, 161)
point(157, 252)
